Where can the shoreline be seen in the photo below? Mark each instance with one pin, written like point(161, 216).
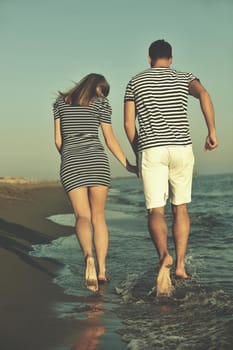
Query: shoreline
point(28, 295)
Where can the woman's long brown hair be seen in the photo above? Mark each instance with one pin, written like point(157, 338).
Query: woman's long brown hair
point(84, 92)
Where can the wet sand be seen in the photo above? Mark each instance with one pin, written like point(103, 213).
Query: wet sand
point(27, 294)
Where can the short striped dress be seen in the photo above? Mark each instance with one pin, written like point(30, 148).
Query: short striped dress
point(84, 162)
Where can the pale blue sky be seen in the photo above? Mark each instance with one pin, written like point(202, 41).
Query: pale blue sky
point(47, 44)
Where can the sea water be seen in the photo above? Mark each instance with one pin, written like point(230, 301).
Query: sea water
point(198, 315)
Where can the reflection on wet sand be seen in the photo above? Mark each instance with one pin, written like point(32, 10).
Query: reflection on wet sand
point(94, 328)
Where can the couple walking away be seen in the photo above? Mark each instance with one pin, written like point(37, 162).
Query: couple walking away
point(157, 98)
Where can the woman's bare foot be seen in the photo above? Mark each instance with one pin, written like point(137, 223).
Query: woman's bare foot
point(164, 285)
point(182, 274)
point(102, 279)
point(91, 281)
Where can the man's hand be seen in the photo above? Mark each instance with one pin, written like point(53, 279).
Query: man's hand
point(211, 142)
point(132, 168)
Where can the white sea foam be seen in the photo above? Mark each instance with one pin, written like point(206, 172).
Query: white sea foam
point(63, 219)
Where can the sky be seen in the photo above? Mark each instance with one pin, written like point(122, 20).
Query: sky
point(47, 45)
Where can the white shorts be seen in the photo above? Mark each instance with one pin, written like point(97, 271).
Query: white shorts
point(167, 172)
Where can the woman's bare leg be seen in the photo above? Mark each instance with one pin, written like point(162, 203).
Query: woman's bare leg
point(98, 196)
point(80, 203)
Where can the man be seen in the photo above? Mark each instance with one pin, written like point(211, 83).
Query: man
point(158, 98)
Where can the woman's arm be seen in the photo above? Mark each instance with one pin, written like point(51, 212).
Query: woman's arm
point(114, 146)
point(57, 134)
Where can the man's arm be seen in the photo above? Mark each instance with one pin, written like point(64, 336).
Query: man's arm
point(197, 90)
point(130, 125)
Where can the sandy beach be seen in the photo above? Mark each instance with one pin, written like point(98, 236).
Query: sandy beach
point(27, 294)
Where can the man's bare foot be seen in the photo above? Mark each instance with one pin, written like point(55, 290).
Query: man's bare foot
point(91, 281)
point(164, 285)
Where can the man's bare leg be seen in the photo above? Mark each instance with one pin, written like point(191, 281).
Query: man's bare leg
point(158, 231)
point(181, 228)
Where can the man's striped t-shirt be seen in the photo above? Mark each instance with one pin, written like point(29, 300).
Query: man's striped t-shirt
point(161, 99)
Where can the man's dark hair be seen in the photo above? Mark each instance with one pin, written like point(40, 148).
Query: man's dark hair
point(160, 49)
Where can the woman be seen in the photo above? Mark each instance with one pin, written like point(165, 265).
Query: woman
point(85, 171)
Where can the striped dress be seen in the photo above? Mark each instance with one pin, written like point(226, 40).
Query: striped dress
point(161, 97)
point(84, 162)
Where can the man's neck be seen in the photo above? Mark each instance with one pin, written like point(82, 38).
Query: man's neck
point(162, 63)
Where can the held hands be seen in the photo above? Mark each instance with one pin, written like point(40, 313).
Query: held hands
point(211, 143)
point(131, 168)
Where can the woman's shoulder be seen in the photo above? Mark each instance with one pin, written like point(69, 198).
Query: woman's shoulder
point(102, 105)
point(100, 102)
